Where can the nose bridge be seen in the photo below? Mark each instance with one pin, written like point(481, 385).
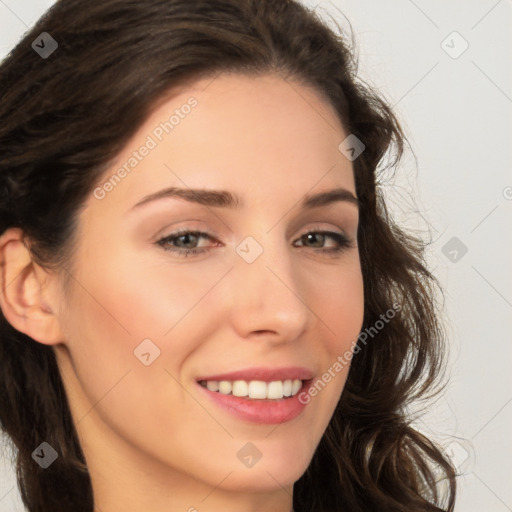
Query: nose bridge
point(268, 292)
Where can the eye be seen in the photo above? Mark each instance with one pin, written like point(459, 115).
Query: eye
point(184, 242)
point(319, 238)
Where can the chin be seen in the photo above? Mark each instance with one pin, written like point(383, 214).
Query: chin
point(266, 476)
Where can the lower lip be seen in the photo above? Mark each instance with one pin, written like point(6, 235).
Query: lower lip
point(259, 410)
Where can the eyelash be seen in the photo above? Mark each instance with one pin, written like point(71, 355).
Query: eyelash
point(343, 242)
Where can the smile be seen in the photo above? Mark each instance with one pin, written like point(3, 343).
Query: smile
point(255, 389)
point(258, 395)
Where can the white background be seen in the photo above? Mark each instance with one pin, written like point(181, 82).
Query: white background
point(456, 110)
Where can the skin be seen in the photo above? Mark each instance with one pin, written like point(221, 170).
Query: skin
point(151, 439)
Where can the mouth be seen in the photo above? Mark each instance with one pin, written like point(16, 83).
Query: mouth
point(255, 389)
point(259, 395)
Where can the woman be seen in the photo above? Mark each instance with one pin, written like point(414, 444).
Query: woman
point(205, 304)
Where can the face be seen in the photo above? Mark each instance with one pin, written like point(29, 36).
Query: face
point(174, 291)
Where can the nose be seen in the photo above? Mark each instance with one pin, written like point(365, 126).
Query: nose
point(267, 298)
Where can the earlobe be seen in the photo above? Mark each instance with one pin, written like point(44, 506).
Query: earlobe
point(22, 291)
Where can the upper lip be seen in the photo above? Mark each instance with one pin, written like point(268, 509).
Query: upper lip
point(264, 374)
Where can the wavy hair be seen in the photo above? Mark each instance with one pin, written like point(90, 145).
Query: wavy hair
point(63, 120)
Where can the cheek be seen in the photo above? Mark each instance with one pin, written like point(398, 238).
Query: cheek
point(120, 302)
point(338, 300)
point(115, 308)
point(345, 311)
point(339, 304)
point(147, 295)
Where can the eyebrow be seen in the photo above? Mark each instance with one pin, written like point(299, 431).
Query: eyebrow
point(225, 199)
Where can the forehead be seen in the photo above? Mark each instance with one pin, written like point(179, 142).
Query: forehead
point(244, 133)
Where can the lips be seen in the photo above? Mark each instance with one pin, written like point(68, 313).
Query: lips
point(260, 410)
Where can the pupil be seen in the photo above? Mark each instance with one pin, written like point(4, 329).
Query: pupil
point(187, 236)
point(312, 235)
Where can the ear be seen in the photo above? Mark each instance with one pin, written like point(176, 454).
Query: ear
point(24, 292)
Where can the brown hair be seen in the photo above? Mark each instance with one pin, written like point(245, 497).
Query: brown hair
point(63, 119)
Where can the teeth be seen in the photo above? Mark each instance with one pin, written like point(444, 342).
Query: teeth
point(255, 389)
point(296, 385)
point(225, 387)
point(258, 389)
point(287, 388)
point(212, 385)
point(240, 388)
point(275, 389)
